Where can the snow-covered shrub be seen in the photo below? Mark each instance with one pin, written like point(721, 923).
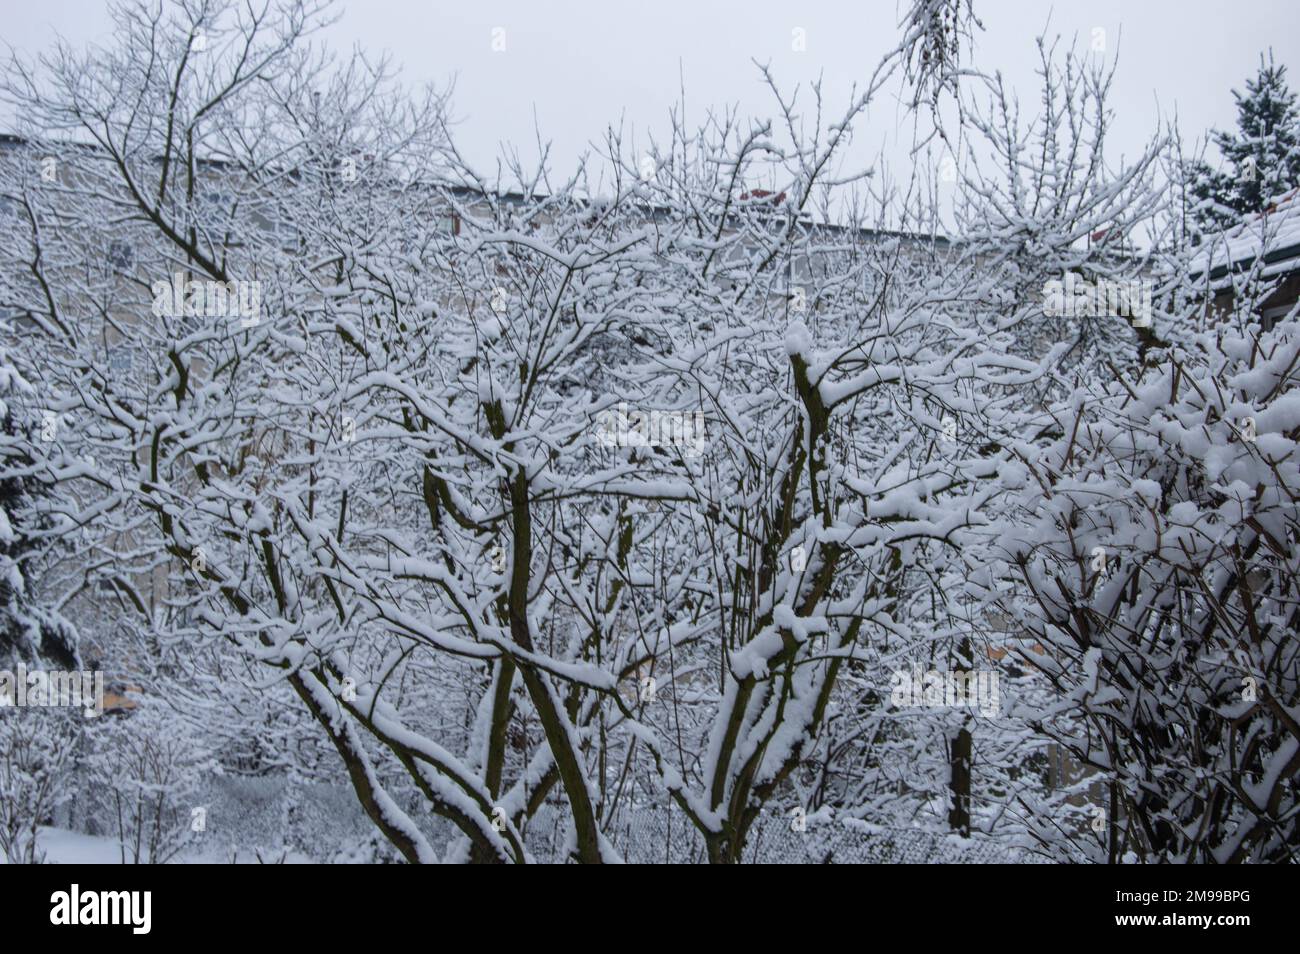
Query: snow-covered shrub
point(36, 746)
point(1158, 554)
point(147, 771)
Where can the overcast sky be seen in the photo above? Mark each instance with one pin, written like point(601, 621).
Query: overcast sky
point(578, 65)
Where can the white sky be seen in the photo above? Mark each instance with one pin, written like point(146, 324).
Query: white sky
point(578, 65)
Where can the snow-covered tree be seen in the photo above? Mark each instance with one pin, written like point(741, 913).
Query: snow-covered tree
point(584, 494)
point(30, 631)
point(1261, 157)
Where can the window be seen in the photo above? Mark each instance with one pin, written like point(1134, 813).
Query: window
point(1270, 316)
point(121, 255)
point(121, 359)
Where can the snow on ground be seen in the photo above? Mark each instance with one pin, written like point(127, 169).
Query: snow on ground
point(64, 847)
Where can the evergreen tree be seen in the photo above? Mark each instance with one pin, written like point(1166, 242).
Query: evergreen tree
point(1261, 159)
point(28, 632)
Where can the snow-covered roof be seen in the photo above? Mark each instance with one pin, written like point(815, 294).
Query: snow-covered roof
point(754, 197)
point(1273, 235)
